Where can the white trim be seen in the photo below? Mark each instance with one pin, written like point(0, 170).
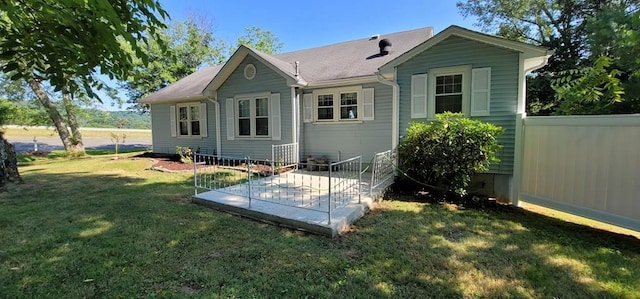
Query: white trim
point(336, 92)
point(465, 70)
point(249, 68)
point(202, 115)
point(252, 112)
point(173, 100)
point(342, 82)
point(216, 106)
point(394, 106)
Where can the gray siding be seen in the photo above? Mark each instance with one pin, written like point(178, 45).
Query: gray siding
point(266, 80)
point(348, 140)
point(455, 51)
point(161, 131)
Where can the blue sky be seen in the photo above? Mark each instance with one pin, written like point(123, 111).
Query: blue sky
point(305, 24)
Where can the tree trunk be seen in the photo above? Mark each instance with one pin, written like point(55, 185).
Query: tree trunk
point(55, 116)
point(76, 138)
point(8, 164)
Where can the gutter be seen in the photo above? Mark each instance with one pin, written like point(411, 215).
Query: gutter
point(395, 128)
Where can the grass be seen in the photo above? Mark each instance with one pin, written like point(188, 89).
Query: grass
point(26, 159)
point(30, 132)
point(98, 227)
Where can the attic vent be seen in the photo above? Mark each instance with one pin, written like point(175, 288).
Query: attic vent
point(375, 36)
point(385, 47)
point(249, 71)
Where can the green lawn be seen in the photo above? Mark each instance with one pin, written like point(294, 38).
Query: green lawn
point(97, 227)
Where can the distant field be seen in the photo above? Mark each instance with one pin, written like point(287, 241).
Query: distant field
point(16, 131)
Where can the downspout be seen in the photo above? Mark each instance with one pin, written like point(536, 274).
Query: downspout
point(294, 121)
point(395, 107)
point(216, 104)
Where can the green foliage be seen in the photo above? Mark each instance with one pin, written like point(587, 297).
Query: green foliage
point(189, 46)
point(185, 153)
point(261, 40)
point(448, 151)
point(580, 32)
point(67, 42)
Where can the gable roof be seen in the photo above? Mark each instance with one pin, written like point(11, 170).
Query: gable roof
point(321, 65)
point(529, 51)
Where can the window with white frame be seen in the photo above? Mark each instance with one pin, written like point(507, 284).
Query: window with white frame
point(338, 104)
point(189, 119)
point(253, 116)
point(451, 89)
point(448, 93)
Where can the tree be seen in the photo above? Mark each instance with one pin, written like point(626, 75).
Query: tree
point(261, 40)
point(610, 82)
point(65, 44)
point(561, 25)
point(189, 46)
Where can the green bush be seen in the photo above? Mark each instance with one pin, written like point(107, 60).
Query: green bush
point(445, 153)
point(185, 154)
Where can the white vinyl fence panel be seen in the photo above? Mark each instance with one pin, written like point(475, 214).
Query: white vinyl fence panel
point(584, 165)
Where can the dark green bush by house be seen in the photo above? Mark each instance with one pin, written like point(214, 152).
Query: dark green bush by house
point(445, 153)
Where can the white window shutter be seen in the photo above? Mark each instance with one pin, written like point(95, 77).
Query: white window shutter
point(276, 130)
point(419, 96)
point(368, 103)
point(307, 105)
point(480, 91)
point(203, 120)
point(172, 121)
point(231, 119)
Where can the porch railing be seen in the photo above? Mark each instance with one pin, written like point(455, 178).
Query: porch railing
point(383, 169)
point(285, 155)
point(318, 187)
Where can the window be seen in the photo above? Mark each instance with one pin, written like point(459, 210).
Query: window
point(449, 90)
point(338, 104)
point(448, 94)
point(191, 119)
point(253, 116)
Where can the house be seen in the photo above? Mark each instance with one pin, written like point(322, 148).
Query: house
point(349, 99)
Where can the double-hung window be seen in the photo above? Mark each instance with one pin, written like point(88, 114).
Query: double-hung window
point(189, 119)
point(338, 104)
point(448, 93)
point(253, 116)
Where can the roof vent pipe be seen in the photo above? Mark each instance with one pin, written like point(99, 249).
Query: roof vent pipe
point(385, 47)
point(297, 66)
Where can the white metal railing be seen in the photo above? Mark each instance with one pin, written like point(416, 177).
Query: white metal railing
point(383, 169)
point(318, 187)
point(285, 155)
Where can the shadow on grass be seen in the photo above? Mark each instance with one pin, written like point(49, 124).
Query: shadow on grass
point(116, 230)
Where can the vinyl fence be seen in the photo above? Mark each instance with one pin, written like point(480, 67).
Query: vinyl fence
point(584, 165)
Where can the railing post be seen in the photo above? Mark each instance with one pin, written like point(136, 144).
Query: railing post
point(248, 164)
point(359, 180)
point(195, 173)
point(329, 198)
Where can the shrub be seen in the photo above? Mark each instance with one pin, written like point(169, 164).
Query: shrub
point(445, 153)
point(185, 154)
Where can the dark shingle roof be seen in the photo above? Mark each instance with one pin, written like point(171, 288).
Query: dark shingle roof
point(351, 59)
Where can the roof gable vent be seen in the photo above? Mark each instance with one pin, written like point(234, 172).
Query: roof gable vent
point(385, 47)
